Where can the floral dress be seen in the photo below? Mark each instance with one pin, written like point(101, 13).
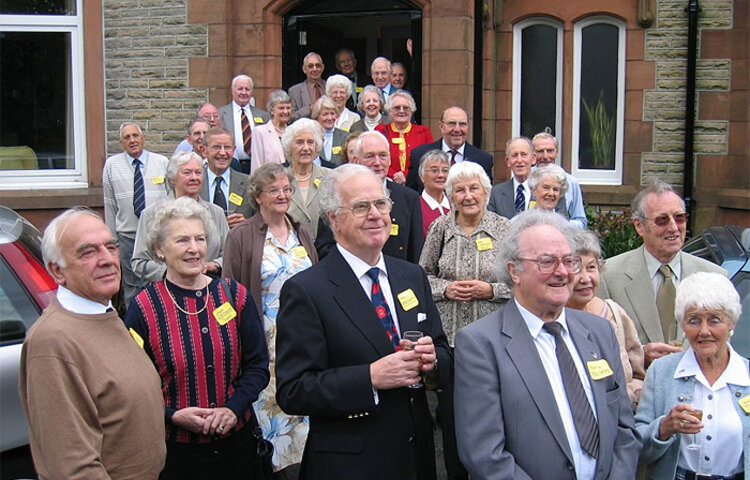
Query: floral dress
point(288, 433)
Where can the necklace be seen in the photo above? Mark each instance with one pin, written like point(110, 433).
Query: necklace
point(205, 301)
point(303, 179)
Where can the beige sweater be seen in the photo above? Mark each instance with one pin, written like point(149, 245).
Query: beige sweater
point(92, 397)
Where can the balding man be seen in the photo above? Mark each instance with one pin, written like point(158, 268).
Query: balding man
point(239, 117)
point(513, 195)
point(307, 92)
point(207, 112)
point(454, 126)
point(380, 71)
point(346, 63)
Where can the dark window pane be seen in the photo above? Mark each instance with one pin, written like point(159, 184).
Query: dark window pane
point(598, 126)
point(38, 7)
point(538, 79)
point(36, 113)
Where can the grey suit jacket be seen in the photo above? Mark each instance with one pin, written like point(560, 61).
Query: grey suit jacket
point(238, 184)
point(227, 118)
point(503, 201)
point(338, 138)
point(626, 281)
point(507, 425)
point(301, 100)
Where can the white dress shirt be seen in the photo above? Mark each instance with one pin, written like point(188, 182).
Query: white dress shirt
point(459, 151)
point(444, 206)
point(239, 150)
point(77, 304)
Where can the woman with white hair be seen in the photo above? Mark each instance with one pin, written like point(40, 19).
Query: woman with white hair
point(339, 88)
point(548, 185)
point(184, 178)
point(266, 145)
point(694, 413)
point(325, 113)
point(370, 103)
point(302, 142)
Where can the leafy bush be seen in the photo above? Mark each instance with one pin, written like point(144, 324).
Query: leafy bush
point(615, 230)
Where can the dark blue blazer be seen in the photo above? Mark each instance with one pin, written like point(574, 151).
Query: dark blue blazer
point(471, 154)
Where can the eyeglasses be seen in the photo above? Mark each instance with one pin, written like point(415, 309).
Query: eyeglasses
point(663, 220)
point(399, 108)
point(436, 170)
point(548, 263)
point(453, 124)
point(275, 192)
point(360, 208)
point(218, 148)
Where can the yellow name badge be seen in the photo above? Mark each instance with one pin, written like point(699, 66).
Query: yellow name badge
point(258, 120)
point(532, 204)
point(484, 244)
point(336, 150)
point(599, 369)
point(394, 230)
point(157, 180)
point(316, 182)
point(299, 251)
point(359, 89)
point(407, 299)
point(236, 199)
point(745, 404)
point(397, 140)
point(225, 313)
point(139, 340)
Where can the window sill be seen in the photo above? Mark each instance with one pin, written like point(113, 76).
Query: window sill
point(92, 197)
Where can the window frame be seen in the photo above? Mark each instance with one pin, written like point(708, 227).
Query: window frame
point(76, 177)
point(593, 176)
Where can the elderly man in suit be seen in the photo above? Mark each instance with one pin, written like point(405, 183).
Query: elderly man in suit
point(340, 356)
point(346, 63)
point(539, 389)
point(513, 195)
point(239, 117)
point(307, 92)
point(207, 112)
point(406, 238)
point(380, 70)
point(644, 281)
point(454, 125)
point(223, 186)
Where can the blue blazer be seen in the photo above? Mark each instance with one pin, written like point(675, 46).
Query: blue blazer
point(661, 392)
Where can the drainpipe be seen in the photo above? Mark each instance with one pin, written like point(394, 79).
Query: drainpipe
point(692, 52)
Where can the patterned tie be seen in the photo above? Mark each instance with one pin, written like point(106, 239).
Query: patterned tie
point(219, 199)
point(247, 132)
point(453, 156)
point(665, 301)
point(381, 308)
point(318, 91)
point(139, 194)
point(520, 199)
point(583, 417)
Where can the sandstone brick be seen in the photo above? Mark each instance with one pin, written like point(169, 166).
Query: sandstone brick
point(145, 114)
point(144, 93)
point(164, 104)
point(159, 84)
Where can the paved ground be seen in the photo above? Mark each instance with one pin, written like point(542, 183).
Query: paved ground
point(440, 462)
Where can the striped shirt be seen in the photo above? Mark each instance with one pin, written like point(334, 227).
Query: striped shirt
point(203, 360)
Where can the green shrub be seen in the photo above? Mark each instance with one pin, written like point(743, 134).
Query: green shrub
point(615, 230)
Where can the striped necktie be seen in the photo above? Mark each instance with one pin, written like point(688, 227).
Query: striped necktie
point(246, 131)
point(520, 199)
point(139, 193)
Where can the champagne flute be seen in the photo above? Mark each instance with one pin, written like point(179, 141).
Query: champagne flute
point(694, 445)
point(412, 337)
point(674, 335)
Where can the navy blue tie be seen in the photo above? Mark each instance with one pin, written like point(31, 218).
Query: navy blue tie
point(139, 194)
point(219, 199)
point(381, 307)
point(520, 199)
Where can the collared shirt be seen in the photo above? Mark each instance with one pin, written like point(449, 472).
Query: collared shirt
point(387, 90)
point(526, 192)
point(444, 206)
point(211, 177)
point(459, 151)
point(327, 142)
point(239, 146)
point(77, 304)
point(585, 465)
point(721, 436)
point(311, 89)
point(657, 278)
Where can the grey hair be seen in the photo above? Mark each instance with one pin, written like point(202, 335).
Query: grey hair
point(127, 124)
point(276, 97)
point(338, 81)
point(214, 131)
point(173, 209)
point(194, 121)
point(320, 104)
point(361, 98)
point(310, 54)
point(351, 138)
point(381, 59)
point(541, 135)
point(507, 144)
point(329, 193)
point(433, 156)
point(707, 291)
point(585, 242)
point(510, 248)
point(51, 252)
point(298, 127)
point(551, 170)
point(264, 175)
point(373, 133)
point(242, 77)
point(654, 187)
point(404, 94)
point(178, 160)
point(465, 171)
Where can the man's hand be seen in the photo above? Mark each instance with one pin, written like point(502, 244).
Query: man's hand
point(399, 369)
point(654, 350)
point(426, 349)
point(211, 267)
point(235, 219)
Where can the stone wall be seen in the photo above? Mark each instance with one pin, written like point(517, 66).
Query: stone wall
point(147, 44)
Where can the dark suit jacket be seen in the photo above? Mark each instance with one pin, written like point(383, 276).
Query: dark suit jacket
point(507, 424)
point(338, 138)
point(238, 184)
point(407, 215)
point(227, 117)
point(471, 154)
point(503, 201)
point(328, 335)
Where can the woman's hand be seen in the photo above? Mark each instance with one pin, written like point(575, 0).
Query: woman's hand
point(191, 419)
point(679, 420)
point(399, 178)
point(220, 422)
point(467, 290)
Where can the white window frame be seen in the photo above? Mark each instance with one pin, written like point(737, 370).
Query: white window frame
point(76, 177)
point(517, 50)
point(592, 176)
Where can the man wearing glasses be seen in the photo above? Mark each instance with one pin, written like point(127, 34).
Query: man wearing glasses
point(539, 389)
point(346, 63)
point(454, 125)
point(341, 357)
point(643, 281)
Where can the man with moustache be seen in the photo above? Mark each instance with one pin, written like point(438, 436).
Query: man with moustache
point(239, 117)
point(307, 92)
point(340, 357)
point(91, 394)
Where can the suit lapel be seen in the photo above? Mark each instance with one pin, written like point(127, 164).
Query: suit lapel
point(522, 351)
point(640, 293)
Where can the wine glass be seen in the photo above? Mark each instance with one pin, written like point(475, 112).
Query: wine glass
point(412, 337)
point(694, 445)
point(674, 335)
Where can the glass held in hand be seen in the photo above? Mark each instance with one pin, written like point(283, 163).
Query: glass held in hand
point(411, 337)
point(675, 339)
point(694, 445)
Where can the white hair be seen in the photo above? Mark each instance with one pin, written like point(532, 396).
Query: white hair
point(707, 291)
point(51, 252)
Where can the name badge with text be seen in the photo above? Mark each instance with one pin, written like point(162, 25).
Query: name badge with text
point(394, 230)
point(157, 180)
point(225, 313)
point(407, 299)
point(599, 369)
point(299, 251)
point(484, 244)
point(236, 199)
